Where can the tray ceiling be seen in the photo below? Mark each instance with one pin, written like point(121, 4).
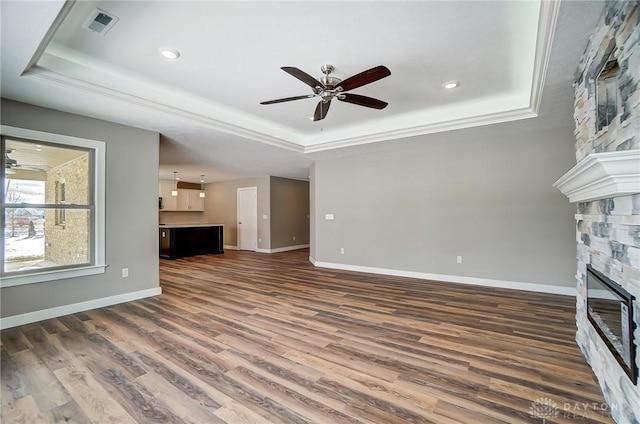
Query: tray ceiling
point(231, 54)
point(206, 102)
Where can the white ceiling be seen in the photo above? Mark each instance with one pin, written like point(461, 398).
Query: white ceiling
point(515, 60)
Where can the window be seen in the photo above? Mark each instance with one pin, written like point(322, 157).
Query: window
point(52, 207)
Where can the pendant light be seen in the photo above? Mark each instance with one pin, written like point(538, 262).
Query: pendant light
point(202, 185)
point(174, 192)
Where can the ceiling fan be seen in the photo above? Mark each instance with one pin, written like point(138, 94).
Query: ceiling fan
point(10, 164)
point(329, 87)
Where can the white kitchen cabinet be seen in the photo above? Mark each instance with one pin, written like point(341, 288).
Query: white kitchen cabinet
point(196, 201)
point(169, 202)
point(187, 200)
point(190, 200)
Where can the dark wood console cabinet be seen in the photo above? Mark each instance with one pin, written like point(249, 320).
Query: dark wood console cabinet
point(180, 241)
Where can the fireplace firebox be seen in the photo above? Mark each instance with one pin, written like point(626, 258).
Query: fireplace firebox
point(610, 310)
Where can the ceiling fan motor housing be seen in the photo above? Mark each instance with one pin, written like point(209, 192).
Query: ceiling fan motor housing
point(328, 81)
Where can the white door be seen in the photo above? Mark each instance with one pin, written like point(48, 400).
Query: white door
point(248, 218)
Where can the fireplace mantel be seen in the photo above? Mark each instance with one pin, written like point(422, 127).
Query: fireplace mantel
point(601, 176)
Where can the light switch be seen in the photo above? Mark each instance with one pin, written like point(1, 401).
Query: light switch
point(328, 216)
point(264, 217)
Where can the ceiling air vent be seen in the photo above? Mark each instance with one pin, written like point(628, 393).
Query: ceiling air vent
point(100, 22)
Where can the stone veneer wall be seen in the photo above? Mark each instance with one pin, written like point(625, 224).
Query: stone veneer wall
point(68, 244)
point(608, 230)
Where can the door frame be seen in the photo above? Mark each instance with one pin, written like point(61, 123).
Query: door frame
point(238, 190)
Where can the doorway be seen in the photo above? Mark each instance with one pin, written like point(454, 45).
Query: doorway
point(247, 218)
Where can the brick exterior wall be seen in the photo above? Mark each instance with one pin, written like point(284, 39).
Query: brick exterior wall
point(608, 230)
point(68, 244)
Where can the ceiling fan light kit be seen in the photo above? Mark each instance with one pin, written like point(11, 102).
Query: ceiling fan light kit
point(11, 165)
point(174, 192)
point(202, 185)
point(329, 87)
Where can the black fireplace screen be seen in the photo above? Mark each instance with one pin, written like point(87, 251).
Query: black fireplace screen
point(610, 310)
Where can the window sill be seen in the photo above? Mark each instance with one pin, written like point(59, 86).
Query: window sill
point(42, 276)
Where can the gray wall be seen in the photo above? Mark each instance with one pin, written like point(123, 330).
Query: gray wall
point(289, 212)
point(131, 211)
point(221, 207)
point(489, 200)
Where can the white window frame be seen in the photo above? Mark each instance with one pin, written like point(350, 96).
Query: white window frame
point(99, 168)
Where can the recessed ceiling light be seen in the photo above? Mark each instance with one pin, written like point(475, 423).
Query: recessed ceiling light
point(451, 84)
point(169, 53)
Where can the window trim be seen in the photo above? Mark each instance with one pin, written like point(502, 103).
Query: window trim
point(98, 233)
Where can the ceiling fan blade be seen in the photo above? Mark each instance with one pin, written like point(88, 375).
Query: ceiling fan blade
point(303, 76)
point(287, 99)
point(357, 99)
point(40, 168)
point(364, 78)
point(321, 110)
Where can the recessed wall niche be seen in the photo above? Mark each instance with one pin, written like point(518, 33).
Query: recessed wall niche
point(607, 94)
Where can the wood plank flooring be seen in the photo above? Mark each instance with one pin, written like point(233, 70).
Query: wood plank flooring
point(257, 338)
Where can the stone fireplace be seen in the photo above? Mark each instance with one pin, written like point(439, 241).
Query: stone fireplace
point(605, 184)
point(610, 311)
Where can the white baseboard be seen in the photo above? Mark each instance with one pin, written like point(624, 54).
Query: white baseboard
point(515, 285)
point(29, 317)
point(283, 249)
point(230, 247)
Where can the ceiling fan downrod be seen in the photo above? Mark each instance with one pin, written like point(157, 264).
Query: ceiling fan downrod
point(329, 81)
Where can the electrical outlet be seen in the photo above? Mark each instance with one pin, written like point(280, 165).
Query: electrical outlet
point(328, 216)
point(342, 250)
point(459, 259)
point(294, 237)
point(125, 272)
point(259, 240)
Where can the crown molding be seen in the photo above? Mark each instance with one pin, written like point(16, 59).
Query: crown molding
point(57, 70)
point(58, 65)
point(547, 22)
point(602, 176)
point(205, 119)
point(42, 46)
point(456, 124)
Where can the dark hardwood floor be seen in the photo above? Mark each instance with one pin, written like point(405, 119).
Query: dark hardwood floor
point(257, 338)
